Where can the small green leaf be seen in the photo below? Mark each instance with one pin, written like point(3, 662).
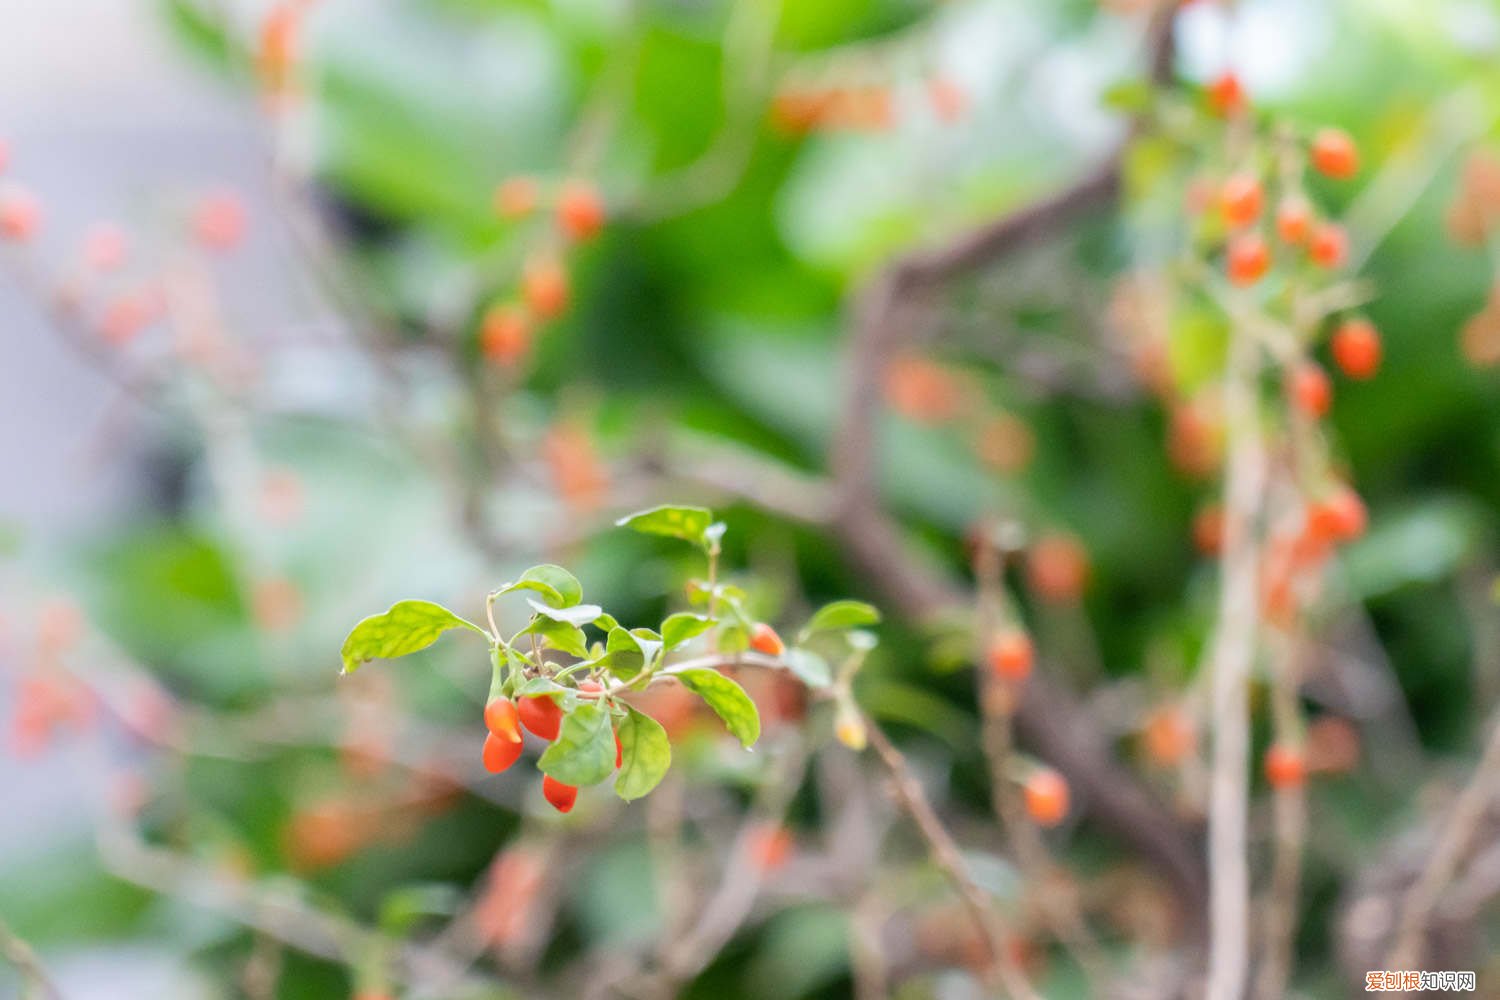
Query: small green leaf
point(407, 906)
point(649, 641)
point(733, 638)
point(541, 685)
point(681, 627)
point(645, 755)
point(623, 655)
point(584, 751)
point(558, 587)
point(405, 628)
point(841, 615)
point(809, 667)
point(568, 638)
point(688, 523)
point(1128, 95)
point(575, 615)
point(728, 700)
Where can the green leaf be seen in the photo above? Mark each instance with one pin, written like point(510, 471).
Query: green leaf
point(645, 755)
point(568, 638)
point(841, 615)
point(558, 587)
point(584, 751)
point(728, 700)
point(576, 615)
point(407, 906)
point(407, 627)
point(623, 655)
point(681, 627)
point(733, 638)
point(688, 523)
point(1131, 96)
point(809, 667)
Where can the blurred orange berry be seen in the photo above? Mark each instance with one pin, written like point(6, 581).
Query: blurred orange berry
point(1284, 767)
point(516, 197)
point(1309, 390)
point(20, 214)
point(1168, 736)
point(544, 286)
point(580, 210)
point(1046, 796)
point(1293, 218)
point(1225, 95)
point(1011, 655)
point(1005, 443)
point(1208, 529)
point(922, 390)
point(1328, 245)
point(1057, 566)
point(1334, 154)
point(1240, 200)
point(1247, 259)
point(1356, 348)
point(505, 334)
point(1338, 517)
point(577, 473)
point(769, 846)
point(219, 220)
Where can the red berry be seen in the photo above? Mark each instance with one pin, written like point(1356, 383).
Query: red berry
point(541, 715)
point(560, 795)
point(1247, 259)
point(1240, 200)
point(20, 214)
point(104, 247)
point(499, 753)
point(947, 98)
point(1057, 567)
point(1339, 517)
point(1011, 655)
point(769, 846)
point(1225, 95)
point(589, 687)
point(1310, 390)
point(1046, 794)
point(1328, 245)
point(544, 285)
point(505, 334)
point(619, 752)
point(515, 197)
point(1168, 736)
point(1334, 154)
point(123, 318)
point(1356, 348)
point(580, 210)
point(1284, 767)
point(219, 220)
point(502, 719)
point(1208, 530)
point(763, 639)
point(1293, 218)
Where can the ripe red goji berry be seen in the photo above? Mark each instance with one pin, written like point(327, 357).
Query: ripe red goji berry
point(500, 753)
point(1284, 767)
point(1057, 567)
point(541, 715)
point(1225, 95)
point(1334, 154)
point(580, 211)
point(1011, 655)
point(1240, 200)
point(505, 334)
point(1309, 389)
point(544, 286)
point(515, 197)
point(1046, 796)
point(1293, 219)
point(560, 795)
point(763, 639)
point(1247, 259)
point(1338, 517)
point(1356, 348)
point(502, 719)
point(1328, 245)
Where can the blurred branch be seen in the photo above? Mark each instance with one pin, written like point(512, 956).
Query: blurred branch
point(36, 984)
point(1289, 807)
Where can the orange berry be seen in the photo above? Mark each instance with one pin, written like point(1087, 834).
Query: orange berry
point(619, 752)
point(1293, 218)
point(104, 247)
point(763, 639)
point(515, 197)
point(1247, 259)
point(1225, 95)
point(769, 847)
point(1309, 390)
point(541, 715)
point(1168, 736)
point(1208, 530)
point(1011, 655)
point(544, 285)
point(560, 795)
point(276, 604)
point(1057, 567)
point(1046, 794)
point(505, 335)
point(1334, 154)
point(580, 210)
point(1195, 441)
point(1339, 517)
point(219, 220)
point(20, 214)
point(500, 753)
point(124, 318)
point(278, 46)
point(589, 688)
point(1240, 200)
point(502, 719)
point(1284, 767)
point(948, 99)
point(922, 390)
point(1328, 245)
point(1356, 348)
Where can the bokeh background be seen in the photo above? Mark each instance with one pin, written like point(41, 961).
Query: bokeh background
point(309, 432)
